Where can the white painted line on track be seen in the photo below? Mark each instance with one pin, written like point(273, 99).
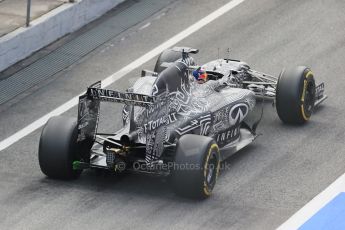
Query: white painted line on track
point(122, 72)
point(311, 208)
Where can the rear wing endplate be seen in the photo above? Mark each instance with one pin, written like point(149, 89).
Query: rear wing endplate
point(89, 107)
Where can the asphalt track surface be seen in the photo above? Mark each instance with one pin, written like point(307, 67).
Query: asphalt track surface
point(265, 184)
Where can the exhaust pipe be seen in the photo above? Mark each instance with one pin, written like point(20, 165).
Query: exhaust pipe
point(129, 139)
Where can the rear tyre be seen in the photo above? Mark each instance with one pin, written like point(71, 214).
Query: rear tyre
point(295, 95)
point(196, 166)
point(58, 148)
point(166, 56)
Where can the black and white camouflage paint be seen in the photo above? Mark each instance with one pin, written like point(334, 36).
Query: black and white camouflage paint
point(189, 108)
point(162, 109)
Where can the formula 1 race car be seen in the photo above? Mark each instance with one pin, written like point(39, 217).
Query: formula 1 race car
point(173, 126)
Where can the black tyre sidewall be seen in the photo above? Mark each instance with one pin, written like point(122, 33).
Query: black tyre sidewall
point(194, 150)
point(58, 148)
point(291, 84)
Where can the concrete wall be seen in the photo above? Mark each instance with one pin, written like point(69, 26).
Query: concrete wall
point(65, 19)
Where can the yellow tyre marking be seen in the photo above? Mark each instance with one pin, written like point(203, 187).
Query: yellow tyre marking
point(303, 114)
point(304, 88)
point(207, 192)
point(309, 74)
point(305, 117)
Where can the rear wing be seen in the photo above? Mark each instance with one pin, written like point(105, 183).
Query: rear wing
point(89, 107)
point(119, 97)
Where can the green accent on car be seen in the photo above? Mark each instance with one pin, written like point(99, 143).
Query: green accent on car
point(76, 165)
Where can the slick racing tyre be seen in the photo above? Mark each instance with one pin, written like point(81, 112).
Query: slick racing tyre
point(166, 56)
point(196, 166)
point(58, 148)
point(295, 95)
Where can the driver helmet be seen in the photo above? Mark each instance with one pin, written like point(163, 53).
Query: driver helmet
point(200, 75)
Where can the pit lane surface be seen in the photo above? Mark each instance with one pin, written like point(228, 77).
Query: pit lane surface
point(265, 184)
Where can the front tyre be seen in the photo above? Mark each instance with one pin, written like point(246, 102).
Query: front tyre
point(196, 166)
point(295, 95)
point(58, 148)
